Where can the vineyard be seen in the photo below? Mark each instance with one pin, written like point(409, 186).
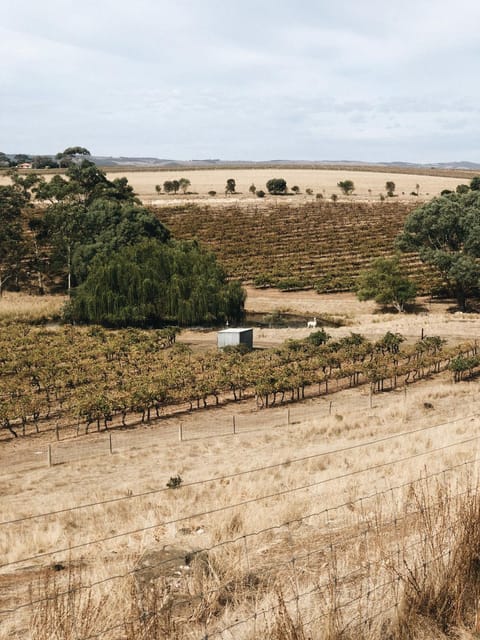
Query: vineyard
point(321, 245)
point(97, 377)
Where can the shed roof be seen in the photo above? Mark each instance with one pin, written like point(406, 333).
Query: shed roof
point(235, 330)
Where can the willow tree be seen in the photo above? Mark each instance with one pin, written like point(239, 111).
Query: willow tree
point(154, 283)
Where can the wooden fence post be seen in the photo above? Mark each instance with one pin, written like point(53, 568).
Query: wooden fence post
point(288, 415)
point(330, 408)
point(371, 396)
point(180, 431)
point(110, 444)
point(234, 425)
point(49, 455)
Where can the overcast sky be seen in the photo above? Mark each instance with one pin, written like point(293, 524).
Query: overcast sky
point(242, 79)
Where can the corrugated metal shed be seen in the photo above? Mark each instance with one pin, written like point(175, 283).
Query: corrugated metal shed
point(234, 337)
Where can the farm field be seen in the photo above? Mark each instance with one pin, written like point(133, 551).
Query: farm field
point(311, 515)
point(322, 181)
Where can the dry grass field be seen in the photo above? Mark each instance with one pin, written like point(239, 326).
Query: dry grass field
point(355, 517)
point(369, 182)
point(322, 181)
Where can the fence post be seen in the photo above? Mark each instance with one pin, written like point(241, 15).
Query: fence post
point(57, 431)
point(371, 396)
point(110, 444)
point(288, 415)
point(330, 408)
point(180, 431)
point(234, 426)
point(49, 455)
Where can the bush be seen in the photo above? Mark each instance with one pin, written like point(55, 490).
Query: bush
point(260, 193)
point(277, 186)
point(212, 193)
point(319, 196)
point(309, 192)
point(347, 186)
point(318, 337)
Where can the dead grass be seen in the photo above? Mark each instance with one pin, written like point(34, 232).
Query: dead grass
point(19, 307)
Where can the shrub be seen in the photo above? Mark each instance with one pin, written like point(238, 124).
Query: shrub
point(347, 186)
point(318, 337)
point(174, 482)
point(212, 193)
point(309, 191)
point(260, 193)
point(277, 186)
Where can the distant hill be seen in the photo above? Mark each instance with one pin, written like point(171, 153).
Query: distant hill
point(132, 161)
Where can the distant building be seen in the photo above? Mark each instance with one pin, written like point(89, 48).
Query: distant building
point(24, 165)
point(235, 337)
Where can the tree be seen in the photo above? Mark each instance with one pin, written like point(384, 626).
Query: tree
point(347, 186)
point(385, 283)
point(184, 183)
point(12, 240)
point(475, 183)
point(158, 189)
point(462, 188)
point(296, 189)
point(277, 186)
point(89, 215)
point(151, 283)
point(446, 234)
point(390, 188)
point(4, 160)
point(44, 162)
point(253, 189)
point(67, 157)
point(230, 186)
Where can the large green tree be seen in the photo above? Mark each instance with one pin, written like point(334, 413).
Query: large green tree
point(446, 234)
point(88, 215)
point(153, 283)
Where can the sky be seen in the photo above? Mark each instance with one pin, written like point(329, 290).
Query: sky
point(305, 80)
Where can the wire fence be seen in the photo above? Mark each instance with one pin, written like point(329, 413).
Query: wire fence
point(187, 429)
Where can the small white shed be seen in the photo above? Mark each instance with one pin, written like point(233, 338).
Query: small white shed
point(233, 337)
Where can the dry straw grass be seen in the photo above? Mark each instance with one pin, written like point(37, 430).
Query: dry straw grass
point(19, 307)
point(297, 565)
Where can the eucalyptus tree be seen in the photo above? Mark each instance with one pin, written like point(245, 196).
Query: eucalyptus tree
point(446, 234)
point(13, 244)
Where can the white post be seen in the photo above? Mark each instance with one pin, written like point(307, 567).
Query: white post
point(180, 432)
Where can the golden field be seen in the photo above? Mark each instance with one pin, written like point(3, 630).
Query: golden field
point(368, 183)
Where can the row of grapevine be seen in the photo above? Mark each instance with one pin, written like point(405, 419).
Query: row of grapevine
point(77, 376)
point(316, 244)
